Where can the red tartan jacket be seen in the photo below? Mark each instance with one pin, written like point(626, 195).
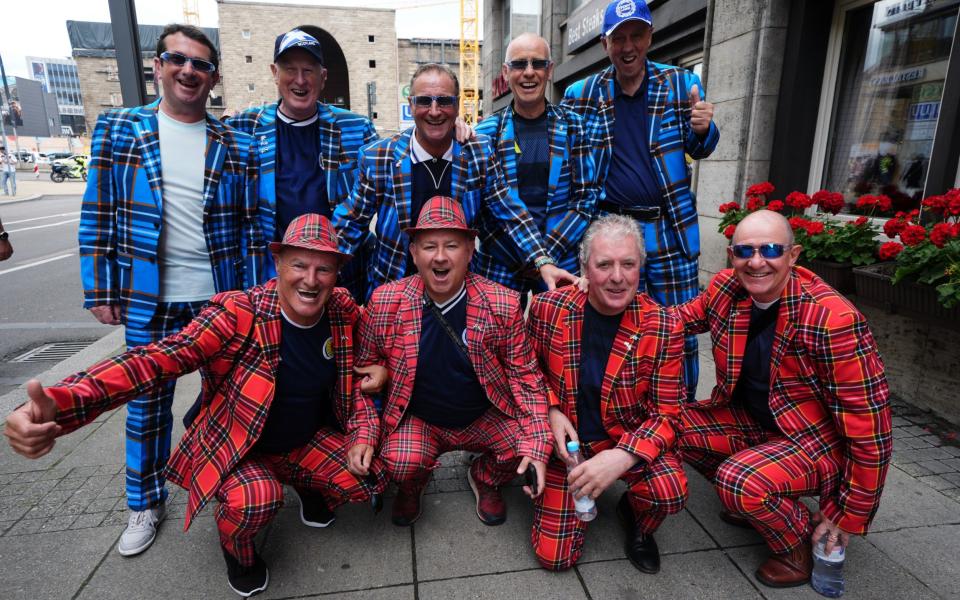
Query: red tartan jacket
point(828, 391)
point(235, 342)
point(389, 335)
point(642, 385)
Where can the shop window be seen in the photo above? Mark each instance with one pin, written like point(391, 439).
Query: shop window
point(887, 98)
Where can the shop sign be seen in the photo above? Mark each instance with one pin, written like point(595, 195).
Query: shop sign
point(893, 11)
point(499, 85)
point(924, 111)
point(904, 76)
point(406, 115)
point(585, 24)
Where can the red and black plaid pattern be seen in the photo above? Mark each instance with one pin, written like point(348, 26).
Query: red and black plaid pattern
point(656, 490)
point(412, 451)
point(252, 493)
point(311, 232)
point(441, 212)
point(828, 391)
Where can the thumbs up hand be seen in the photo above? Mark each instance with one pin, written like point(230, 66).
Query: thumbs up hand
point(31, 429)
point(701, 113)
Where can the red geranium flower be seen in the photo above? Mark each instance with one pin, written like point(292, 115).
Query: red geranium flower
point(728, 232)
point(724, 208)
point(754, 203)
point(913, 235)
point(775, 205)
point(798, 200)
point(890, 250)
point(941, 234)
point(814, 227)
point(894, 226)
point(954, 207)
point(935, 203)
point(867, 202)
point(831, 202)
point(760, 189)
point(884, 203)
point(860, 222)
point(798, 223)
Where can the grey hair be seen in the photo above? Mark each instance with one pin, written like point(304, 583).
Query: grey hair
point(436, 68)
point(611, 226)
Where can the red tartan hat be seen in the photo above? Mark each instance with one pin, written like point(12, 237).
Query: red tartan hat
point(441, 212)
point(312, 232)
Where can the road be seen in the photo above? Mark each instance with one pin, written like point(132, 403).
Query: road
point(41, 299)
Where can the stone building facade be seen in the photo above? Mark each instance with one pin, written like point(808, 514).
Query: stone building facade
point(411, 53)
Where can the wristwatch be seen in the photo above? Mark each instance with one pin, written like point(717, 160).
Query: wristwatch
point(543, 260)
point(3, 236)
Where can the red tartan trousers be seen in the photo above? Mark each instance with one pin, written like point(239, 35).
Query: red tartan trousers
point(252, 493)
point(757, 474)
point(410, 453)
point(655, 491)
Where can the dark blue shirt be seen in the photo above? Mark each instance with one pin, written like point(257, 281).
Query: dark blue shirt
point(446, 391)
point(753, 386)
point(631, 180)
point(306, 377)
point(596, 343)
point(533, 165)
point(300, 182)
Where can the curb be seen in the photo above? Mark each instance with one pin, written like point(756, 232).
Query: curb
point(18, 200)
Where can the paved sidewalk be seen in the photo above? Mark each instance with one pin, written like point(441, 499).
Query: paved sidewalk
point(29, 188)
point(61, 517)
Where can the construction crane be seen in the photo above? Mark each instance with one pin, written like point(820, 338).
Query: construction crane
point(191, 12)
point(469, 61)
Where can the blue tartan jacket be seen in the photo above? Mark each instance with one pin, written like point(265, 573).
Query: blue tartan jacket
point(671, 138)
point(571, 194)
point(342, 134)
point(384, 186)
point(121, 213)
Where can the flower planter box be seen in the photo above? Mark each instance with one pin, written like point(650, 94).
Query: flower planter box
point(874, 285)
point(838, 275)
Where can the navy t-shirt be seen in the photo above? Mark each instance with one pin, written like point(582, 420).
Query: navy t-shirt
point(753, 386)
point(533, 165)
point(596, 342)
point(306, 377)
point(446, 391)
point(300, 182)
point(631, 180)
point(431, 178)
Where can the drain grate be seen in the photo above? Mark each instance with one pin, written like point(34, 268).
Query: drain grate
point(56, 351)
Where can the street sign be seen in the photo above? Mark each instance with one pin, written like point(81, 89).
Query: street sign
point(406, 115)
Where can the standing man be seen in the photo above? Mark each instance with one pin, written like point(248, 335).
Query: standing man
point(462, 374)
point(398, 175)
point(613, 360)
point(547, 162)
point(642, 119)
point(308, 149)
point(801, 406)
point(168, 220)
point(8, 172)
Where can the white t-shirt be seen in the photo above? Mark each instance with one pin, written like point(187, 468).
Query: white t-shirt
point(185, 271)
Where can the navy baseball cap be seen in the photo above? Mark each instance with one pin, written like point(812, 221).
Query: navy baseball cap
point(296, 38)
point(621, 11)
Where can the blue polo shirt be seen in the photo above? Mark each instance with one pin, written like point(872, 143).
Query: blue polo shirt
point(300, 182)
point(631, 180)
point(533, 165)
point(596, 342)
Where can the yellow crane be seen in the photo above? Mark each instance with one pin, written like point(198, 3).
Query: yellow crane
point(469, 61)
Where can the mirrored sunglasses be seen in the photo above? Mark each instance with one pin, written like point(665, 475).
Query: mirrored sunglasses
point(177, 59)
point(766, 250)
point(538, 64)
point(427, 101)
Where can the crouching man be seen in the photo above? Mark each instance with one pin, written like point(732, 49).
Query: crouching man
point(613, 359)
point(277, 368)
point(463, 374)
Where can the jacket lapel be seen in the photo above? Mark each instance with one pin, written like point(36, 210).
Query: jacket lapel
point(785, 331)
point(624, 345)
point(402, 169)
point(572, 349)
point(738, 326)
point(147, 130)
point(509, 149)
point(658, 90)
point(557, 144)
point(476, 306)
point(329, 144)
point(410, 315)
point(216, 153)
point(269, 326)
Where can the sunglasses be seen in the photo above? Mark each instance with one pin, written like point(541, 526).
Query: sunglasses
point(538, 64)
point(177, 59)
point(427, 101)
point(766, 250)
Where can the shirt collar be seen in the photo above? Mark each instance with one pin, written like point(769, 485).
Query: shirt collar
point(420, 153)
point(446, 306)
point(294, 122)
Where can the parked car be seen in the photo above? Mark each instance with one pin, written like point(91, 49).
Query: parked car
point(58, 155)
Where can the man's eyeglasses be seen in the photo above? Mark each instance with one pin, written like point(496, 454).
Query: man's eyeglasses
point(177, 59)
point(427, 101)
point(766, 250)
point(538, 64)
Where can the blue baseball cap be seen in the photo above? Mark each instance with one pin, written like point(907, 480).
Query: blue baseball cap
point(296, 38)
point(621, 11)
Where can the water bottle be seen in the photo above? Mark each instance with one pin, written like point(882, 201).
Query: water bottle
point(827, 576)
point(585, 507)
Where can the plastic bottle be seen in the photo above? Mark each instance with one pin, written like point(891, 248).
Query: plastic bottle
point(827, 576)
point(585, 507)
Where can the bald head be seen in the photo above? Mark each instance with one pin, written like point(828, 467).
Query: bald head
point(766, 224)
point(528, 42)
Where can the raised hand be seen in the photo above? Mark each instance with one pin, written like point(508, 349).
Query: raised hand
point(31, 429)
point(701, 112)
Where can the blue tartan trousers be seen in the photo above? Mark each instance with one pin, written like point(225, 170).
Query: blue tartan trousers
point(149, 417)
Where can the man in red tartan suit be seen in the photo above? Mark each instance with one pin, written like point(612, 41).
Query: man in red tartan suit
point(276, 403)
point(800, 407)
point(463, 376)
point(613, 360)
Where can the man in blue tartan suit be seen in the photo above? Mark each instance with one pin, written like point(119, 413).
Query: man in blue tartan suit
point(169, 219)
point(643, 119)
point(547, 162)
point(308, 149)
point(397, 175)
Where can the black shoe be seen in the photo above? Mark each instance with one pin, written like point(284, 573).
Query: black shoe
point(314, 511)
point(246, 581)
point(640, 547)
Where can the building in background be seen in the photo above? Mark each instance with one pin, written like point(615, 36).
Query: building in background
point(59, 76)
point(417, 51)
point(34, 111)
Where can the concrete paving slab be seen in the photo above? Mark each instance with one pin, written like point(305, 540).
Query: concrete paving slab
point(693, 576)
point(51, 565)
point(104, 444)
point(452, 542)
point(529, 585)
point(905, 503)
point(869, 573)
point(358, 551)
point(704, 506)
point(401, 592)
point(924, 551)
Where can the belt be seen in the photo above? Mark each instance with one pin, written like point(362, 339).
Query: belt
point(640, 213)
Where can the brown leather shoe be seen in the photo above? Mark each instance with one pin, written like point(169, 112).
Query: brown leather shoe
point(732, 518)
point(491, 509)
point(408, 505)
point(787, 570)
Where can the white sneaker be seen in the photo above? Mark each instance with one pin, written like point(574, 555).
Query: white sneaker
point(141, 530)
